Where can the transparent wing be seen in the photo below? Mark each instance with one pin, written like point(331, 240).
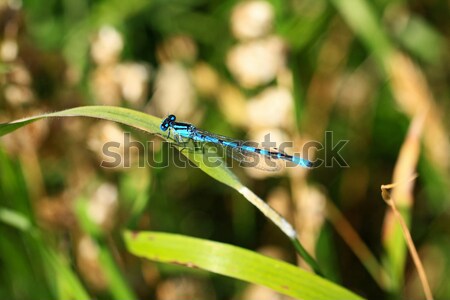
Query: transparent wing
point(234, 148)
point(218, 137)
point(254, 160)
point(231, 148)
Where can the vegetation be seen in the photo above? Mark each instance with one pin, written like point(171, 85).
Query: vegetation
point(362, 82)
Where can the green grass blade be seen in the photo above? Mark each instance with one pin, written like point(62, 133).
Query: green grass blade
point(117, 114)
point(68, 284)
point(362, 19)
point(151, 124)
point(14, 219)
point(65, 282)
point(234, 262)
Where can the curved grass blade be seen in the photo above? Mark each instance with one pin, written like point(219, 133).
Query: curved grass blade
point(234, 262)
point(125, 116)
point(151, 124)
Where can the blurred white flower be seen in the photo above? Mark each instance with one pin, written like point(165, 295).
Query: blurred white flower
point(111, 83)
point(17, 84)
point(106, 132)
point(310, 215)
point(232, 104)
point(132, 79)
point(17, 95)
point(206, 79)
point(103, 205)
point(107, 46)
point(174, 91)
point(9, 50)
point(257, 62)
point(19, 74)
point(273, 108)
point(105, 89)
point(252, 19)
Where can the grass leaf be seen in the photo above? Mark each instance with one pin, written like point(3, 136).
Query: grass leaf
point(234, 262)
point(151, 124)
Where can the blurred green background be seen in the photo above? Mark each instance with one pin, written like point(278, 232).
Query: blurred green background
point(361, 69)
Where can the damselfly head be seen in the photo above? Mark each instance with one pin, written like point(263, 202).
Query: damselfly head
point(167, 122)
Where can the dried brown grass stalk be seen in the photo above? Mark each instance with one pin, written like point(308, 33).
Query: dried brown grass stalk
point(412, 248)
point(402, 192)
